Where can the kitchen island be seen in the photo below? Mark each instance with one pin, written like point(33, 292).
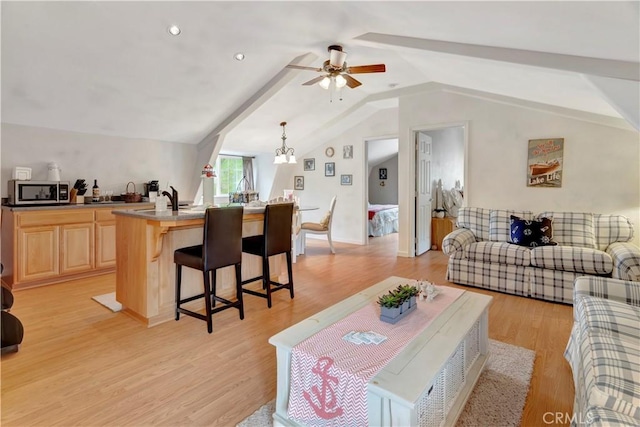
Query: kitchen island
point(145, 271)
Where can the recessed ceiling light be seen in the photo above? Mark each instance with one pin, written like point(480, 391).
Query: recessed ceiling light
point(239, 56)
point(174, 30)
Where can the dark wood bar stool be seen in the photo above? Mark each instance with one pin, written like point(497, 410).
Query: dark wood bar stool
point(276, 239)
point(221, 247)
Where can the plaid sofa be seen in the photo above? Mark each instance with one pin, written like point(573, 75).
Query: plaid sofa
point(604, 352)
point(480, 253)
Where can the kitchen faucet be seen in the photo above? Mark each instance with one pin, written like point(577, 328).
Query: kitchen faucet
point(173, 198)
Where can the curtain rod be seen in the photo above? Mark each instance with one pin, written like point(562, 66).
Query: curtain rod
point(235, 155)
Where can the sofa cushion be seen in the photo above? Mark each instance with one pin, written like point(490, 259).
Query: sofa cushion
point(612, 228)
point(572, 258)
point(500, 223)
point(498, 253)
point(572, 228)
point(476, 220)
point(611, 373)
point(531, 233)
point(609, 317)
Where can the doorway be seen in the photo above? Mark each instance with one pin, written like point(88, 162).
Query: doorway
point(440, 159)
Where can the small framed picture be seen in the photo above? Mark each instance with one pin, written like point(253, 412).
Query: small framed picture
point(382, 173)
point(330, 169)
point(309, 164)
point(298, 182)
point(346, 179)
point(347, 152)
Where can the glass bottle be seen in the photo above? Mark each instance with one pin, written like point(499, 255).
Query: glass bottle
point(96, 191)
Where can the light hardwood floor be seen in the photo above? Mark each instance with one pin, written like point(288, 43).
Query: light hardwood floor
point(82, 365)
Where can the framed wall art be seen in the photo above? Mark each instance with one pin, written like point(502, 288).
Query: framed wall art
point(309, 164)
point(544, 162)
point(347, 152)
point(330, 169)
point(382, 173)
point(346, 179)
point(298, 182)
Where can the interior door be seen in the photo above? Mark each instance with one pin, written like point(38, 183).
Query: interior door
point(423, 193)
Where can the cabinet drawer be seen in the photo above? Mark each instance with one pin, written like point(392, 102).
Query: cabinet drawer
point(105, 215)
point(65, 216)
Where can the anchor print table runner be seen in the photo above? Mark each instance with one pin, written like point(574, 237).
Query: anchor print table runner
point(329, 375)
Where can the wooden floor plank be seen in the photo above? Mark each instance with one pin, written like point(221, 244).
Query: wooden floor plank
point(82, 365)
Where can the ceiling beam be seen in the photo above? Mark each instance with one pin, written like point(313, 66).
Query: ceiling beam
point(580, 64)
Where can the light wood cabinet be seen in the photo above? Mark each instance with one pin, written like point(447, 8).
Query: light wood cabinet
point(76, 248)
point(105, 244)
point(440, 227)
point(43, 246)
point(37, 253)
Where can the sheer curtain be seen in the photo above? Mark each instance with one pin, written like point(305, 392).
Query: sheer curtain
point(247, 171)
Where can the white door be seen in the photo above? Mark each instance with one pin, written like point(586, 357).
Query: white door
point(423, 193)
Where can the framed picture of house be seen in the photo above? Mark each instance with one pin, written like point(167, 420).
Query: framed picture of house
point(298, 182)
point(544, 164)
point(346, 179)
point(347, 152)
point(330, 169)
point(382, 173)
point(309, 164)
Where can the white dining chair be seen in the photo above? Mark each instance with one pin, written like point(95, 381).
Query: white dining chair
point(322, 227)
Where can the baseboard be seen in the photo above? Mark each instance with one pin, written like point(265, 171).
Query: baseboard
point(323, 237)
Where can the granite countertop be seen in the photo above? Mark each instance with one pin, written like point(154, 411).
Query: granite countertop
point(138, 205)
point(196, 212)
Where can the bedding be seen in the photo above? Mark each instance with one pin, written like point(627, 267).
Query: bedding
point(383, 219)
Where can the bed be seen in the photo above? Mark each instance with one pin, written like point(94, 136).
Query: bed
point(383, 219)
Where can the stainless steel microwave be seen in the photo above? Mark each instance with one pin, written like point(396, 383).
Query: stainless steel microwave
point(37, 192)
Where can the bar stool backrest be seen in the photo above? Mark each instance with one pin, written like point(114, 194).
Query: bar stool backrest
point(222, 245)
point(277, 228)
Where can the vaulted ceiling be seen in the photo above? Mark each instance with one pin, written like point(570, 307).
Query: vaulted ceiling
point(112, 67)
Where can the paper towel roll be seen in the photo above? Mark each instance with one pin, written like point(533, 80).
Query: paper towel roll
point(208, 191)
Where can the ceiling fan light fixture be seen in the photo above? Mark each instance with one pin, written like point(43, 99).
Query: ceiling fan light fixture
point(324, 83)
point(340, 81)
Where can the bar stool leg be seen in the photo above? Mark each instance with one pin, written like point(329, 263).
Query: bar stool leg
point(207, 299)
point(213, 289)
point(178, 286)
point(290, 272)
point(266, 279)
point(239, 290)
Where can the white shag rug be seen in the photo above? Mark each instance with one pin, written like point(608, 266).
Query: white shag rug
point(109, 301)
point(497, 399)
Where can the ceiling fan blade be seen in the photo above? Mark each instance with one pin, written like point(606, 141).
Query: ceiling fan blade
point(361, 69)
point(300, 67)
point(351, 82)
point(337, 58)
point(313, 81)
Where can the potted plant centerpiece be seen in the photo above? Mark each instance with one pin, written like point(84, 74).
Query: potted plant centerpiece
point(398, 303)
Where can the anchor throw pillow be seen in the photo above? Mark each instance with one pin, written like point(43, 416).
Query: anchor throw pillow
point(531, 233)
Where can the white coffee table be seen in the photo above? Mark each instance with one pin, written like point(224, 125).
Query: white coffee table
point(428, 383)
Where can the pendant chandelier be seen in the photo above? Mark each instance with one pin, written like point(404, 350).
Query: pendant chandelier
point(283, 152)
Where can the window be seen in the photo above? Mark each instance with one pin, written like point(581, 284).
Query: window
point(229, 172)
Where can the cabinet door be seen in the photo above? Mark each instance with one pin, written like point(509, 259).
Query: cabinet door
point(105, 244)
point(76, 249)
point(38, 253)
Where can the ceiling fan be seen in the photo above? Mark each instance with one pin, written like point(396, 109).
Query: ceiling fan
point(335, 69)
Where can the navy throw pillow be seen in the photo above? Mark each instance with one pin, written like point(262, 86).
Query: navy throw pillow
point(531, 233)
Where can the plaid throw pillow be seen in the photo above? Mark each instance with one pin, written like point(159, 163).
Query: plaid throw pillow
point(531, 233)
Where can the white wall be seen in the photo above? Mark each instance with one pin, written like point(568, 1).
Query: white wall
point(386, 194)
point(600, 173)
point(350, 211)
point(111, 160)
